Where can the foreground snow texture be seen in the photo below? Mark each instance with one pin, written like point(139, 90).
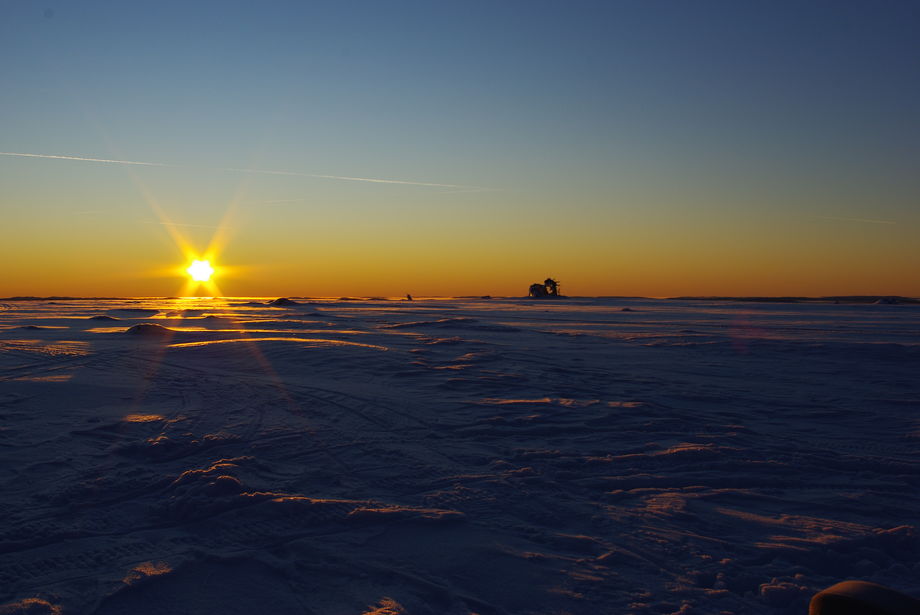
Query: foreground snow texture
point(454, 456)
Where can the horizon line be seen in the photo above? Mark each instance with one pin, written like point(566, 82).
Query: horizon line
point(753, 298)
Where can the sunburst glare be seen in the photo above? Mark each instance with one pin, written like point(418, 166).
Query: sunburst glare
point(201, 271)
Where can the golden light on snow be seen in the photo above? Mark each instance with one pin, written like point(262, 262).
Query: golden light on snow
point(142, 418)
point(200, 271)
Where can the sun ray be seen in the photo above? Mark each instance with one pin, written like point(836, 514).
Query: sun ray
point(191, 286)
point(194, 282)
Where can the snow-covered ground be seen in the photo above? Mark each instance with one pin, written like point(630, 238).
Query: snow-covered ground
point(454, 456)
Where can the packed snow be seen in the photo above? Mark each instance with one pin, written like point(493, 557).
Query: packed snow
point(454, 456)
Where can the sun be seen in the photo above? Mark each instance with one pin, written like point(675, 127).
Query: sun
point(200, 271)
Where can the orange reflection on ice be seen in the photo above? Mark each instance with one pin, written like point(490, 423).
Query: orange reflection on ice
point(142, 418)
point(144, 571)
point(307, 340)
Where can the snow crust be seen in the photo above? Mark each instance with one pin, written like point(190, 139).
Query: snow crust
point(454, 456)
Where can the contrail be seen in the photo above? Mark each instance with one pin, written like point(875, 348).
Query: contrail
point(372, 180)
point(82, 159)
point(348, 178)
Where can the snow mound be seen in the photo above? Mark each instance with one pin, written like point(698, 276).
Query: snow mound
point(146, 329)
point(283, 302)
point(136, 311)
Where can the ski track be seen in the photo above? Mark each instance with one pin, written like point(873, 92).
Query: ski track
point(501, 456)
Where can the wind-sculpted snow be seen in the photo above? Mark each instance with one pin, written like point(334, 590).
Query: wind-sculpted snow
point(497, 456)
point(460, 323)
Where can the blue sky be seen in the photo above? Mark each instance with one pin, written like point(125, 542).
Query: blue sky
point(673, 122)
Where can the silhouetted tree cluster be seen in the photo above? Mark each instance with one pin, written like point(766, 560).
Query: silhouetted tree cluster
point(549, 288)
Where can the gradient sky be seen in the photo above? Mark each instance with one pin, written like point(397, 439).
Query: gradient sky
point(623, 147)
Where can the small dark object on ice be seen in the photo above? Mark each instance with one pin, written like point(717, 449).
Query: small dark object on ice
point(549, 288)
point(627, 310)
point(282, 302)
point(408, 297)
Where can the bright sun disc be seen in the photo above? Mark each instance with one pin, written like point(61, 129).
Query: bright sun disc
point(200, 271)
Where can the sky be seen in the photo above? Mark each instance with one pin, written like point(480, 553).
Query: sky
point(655, 148)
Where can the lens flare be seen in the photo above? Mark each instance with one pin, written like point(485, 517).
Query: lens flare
point(200, 271)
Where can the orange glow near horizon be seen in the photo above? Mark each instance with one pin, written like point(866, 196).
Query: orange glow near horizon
point(363, 256)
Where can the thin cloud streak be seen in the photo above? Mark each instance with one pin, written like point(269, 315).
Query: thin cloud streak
point(866, 220)
point(279, 202)
point(83, 159)
point(372, 180)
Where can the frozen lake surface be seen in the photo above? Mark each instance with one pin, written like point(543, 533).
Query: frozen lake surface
point(454, 456)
